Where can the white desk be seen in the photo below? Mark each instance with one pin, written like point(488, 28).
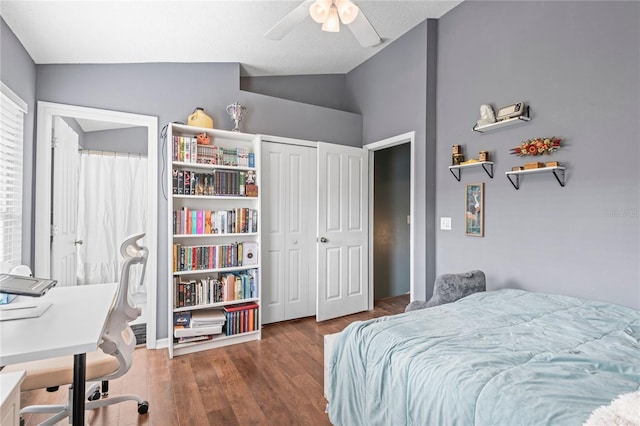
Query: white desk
point(73, 325)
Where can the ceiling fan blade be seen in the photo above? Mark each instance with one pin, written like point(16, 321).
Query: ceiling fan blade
point(364, 31)
point(286, 24)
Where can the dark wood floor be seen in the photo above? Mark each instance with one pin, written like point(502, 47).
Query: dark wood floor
point(276, 381)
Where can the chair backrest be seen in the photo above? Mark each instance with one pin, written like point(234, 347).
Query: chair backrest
point(118, 339)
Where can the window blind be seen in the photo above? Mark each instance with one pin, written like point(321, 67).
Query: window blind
point(12, 110)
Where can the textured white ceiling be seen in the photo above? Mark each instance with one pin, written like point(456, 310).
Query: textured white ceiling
point(119, 31)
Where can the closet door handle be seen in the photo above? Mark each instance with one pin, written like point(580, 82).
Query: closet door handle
point(324, 240)
point(79, 242)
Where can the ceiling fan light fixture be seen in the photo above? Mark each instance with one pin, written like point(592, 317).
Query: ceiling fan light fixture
point(347, 11)
point(319, 10)
point(332, 23)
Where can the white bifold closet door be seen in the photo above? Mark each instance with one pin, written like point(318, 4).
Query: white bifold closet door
point(289, 205)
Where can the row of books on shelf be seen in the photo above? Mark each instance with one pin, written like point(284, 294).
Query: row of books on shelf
point(194, 258)
point(241, 319)
point(206, 324)
point(217, 182)
point(186, 149)
point(225, 287)
point(200, 222)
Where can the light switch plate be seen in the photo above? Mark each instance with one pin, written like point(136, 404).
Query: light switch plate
point(445, 223)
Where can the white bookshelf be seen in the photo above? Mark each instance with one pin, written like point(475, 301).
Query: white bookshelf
point(216, 201)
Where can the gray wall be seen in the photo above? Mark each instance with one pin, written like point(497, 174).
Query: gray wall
point(577, 65)
point(390, 90)
point(76, 128)
point(171, 92)
point(321, 90)
point(391, 201)
point(132, 140)
point(18, 72)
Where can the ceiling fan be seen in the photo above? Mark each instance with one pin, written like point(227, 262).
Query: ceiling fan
point(329, 13)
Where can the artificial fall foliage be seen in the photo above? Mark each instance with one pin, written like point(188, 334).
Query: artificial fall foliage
point(537, 146)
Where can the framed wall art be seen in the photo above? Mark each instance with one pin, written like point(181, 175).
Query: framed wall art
point(474, 209)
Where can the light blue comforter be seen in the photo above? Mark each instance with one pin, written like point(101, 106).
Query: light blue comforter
point(505, 357)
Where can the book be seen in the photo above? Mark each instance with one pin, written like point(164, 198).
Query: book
point(249, 253)
point(194, 149)
point(200, 222)
point(186, 331)
point(193, 339)
point(181, 318)
point(180, 182)
point(186, 190)
point(174, 185)
point(186, 149)
point(207, 222)
point(241, 307)
point(207, 316)
point(253, 273)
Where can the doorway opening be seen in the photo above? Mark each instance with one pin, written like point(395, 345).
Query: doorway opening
point(48, 113)
point(391, 213)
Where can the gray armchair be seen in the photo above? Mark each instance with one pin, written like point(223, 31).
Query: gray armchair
point(451, 287)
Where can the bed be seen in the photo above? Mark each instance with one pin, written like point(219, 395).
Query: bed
point(506, 357)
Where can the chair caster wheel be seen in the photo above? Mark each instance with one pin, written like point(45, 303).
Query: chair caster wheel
point(143, 407)
point(95, 396)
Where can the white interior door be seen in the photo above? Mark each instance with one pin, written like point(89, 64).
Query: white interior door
point(288, 236)
point(65, 203)
point(342, 247)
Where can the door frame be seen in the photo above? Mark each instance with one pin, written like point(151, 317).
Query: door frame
point(42, 264)
point(408, 137)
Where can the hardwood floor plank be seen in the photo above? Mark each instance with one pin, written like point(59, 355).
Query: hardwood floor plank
point(275, 381)
point(188, 400)
point(162, 403)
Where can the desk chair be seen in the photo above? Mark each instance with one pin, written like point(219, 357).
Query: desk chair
point(110, 362)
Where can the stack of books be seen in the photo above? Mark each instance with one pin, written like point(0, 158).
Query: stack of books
point(198, 325)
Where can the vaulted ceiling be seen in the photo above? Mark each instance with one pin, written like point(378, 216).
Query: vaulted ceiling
point(117, 31)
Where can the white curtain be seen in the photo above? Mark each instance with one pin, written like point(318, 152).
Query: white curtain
point(112, 204)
